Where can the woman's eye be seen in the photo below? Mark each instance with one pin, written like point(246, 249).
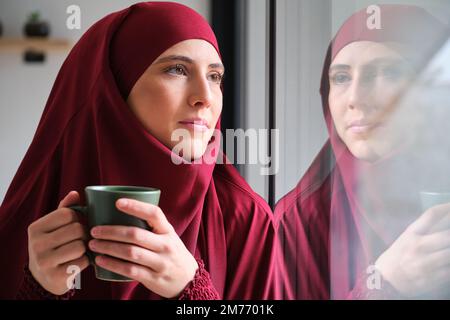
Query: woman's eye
point(178, 70)
point(216, 77)
point(340, 78)
point(368, 77)
point(393, 73)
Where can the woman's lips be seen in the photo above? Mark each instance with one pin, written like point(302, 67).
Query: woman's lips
point(196, 125)
point(360, 127)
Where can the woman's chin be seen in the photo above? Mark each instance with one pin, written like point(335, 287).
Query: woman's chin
point(194, 151)
point(364, 152)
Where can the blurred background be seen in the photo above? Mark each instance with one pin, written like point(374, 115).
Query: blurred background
point(273, 52)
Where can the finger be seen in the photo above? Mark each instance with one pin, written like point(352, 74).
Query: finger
point(54, 221)
point(442, 225)
point(128, 252)
point(438, 259)
point(61, 216)
point(148, 212)
point(431, 217)
point(435, 241)
point(80, 264)
point(132, 235)
point(68, 252)
point(72, 198)
point(72, 269)
point(131, 270)
point(65, 234)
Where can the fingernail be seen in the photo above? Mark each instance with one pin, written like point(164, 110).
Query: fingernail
point(95, 231)
point(92, 244)
point(122, 203)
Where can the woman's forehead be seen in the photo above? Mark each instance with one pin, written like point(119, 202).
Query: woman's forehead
point(367, 52)
point(192, 50)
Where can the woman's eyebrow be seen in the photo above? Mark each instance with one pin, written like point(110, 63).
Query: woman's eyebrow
point(173, 58)
point(217, 66)
point(372, 63)
point(187, 60)
point(339, 67)
point(386, 61)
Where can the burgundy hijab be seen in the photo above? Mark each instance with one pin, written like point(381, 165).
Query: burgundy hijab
point(333, 225)
point(88, 136)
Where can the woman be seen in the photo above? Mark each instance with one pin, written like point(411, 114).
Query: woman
point(353, 227)
point(136, 77)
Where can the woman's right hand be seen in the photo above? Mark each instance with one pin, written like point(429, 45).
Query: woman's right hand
point(56, 242)
point(418, 262)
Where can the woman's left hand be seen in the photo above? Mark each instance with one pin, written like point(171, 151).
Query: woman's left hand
point(158, 258)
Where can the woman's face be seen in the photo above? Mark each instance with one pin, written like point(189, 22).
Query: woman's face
point(181, 89)
point(366, 82)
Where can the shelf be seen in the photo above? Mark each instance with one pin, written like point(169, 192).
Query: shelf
point(22, 44)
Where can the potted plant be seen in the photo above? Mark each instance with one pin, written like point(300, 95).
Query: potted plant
point(35, 27)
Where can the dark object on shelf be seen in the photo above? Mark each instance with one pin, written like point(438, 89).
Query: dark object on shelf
point(33, 56)
point(35, 27)
point(1, 29)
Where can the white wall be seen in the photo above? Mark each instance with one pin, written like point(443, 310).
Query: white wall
point(24, 88)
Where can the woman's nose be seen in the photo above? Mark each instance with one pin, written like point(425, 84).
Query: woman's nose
point(360, 93)
point(201, 95)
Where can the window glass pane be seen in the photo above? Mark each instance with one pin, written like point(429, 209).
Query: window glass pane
point(363, 188)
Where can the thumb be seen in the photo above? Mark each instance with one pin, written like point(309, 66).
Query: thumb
point(72, 198)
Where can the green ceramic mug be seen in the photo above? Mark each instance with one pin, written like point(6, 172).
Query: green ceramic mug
point(430, 199)
point(101, 210)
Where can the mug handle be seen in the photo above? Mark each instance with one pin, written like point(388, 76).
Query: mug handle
point(79, 209)
point(83, 211)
